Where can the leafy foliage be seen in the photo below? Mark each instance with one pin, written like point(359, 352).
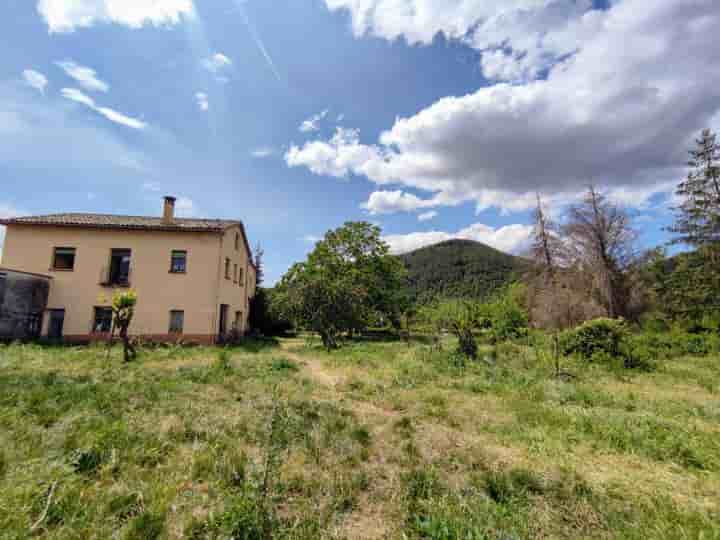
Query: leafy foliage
point(597, 337)
point(459, 269)
point(685, 287)
point(348, 281)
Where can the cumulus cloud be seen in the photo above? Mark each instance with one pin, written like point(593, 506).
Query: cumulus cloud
point(619, 112)
point(85, 76)
point(388, 202)
point(216, 63)
point(313, 123)
point(338, 157)
point(77, 96)
point(203, 102)
point(35, 79)
point(427, 216)
point(510, 238)
point(518, 38)
point(68, 15)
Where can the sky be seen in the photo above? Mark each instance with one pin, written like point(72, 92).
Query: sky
point(434, 119)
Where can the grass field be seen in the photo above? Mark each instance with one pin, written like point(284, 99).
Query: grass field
point(377, 440)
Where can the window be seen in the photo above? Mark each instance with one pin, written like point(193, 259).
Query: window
point(103, 320)
point(235, 275)
point(63, 258)
point(227, 268)
point(240, 277)
point(237, 241)
point(119, 273)
point(177, 321)
point(178, 262)
point(238, 320)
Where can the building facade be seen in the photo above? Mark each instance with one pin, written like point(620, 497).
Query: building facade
point(194, 277)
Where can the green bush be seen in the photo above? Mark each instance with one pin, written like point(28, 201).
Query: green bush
point(651, 346)
point(599, 338)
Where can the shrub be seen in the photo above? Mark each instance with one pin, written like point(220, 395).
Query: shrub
point(599, 338)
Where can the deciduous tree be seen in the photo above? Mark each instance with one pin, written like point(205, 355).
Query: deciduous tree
point(348, 279)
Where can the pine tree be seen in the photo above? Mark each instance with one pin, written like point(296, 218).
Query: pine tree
point(697, 220)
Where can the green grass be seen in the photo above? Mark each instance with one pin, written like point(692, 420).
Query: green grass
point(280, 439)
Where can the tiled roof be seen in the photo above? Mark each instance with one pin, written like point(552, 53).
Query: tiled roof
point(107, 221)
point(135, 223)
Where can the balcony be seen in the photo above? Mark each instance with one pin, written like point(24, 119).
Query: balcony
point(115, 277)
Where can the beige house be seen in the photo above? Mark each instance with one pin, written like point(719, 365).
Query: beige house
point(194, 277)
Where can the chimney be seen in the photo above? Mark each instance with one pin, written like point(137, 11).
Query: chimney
point(169, 210)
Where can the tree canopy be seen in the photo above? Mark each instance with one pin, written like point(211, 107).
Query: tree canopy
point(347, 282)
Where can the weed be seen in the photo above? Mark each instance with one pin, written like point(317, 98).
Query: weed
point(146, 526)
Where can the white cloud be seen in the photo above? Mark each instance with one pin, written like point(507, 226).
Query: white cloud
point(216, 63)
point(262, 152)
point(311, 239)
point(535, 33)
point(313, 123)
point(427, 216)
point(337, 157)
point(35, 79)
point(38, 135)
point(85, 76)
point(76, 95)
point(68, 15)
point(203, 101)
point(388, 202)
point(510, 238)
point(620, 112)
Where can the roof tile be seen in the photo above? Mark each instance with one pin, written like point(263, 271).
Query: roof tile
point(107, 221)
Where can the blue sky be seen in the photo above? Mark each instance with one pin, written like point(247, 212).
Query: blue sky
point(433, 118)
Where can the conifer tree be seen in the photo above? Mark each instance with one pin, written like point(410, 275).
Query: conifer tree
point(697, 220)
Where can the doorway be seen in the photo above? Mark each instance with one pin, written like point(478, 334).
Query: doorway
point(223, 321)
point(56, 323)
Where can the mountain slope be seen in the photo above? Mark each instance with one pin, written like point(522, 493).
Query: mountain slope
point(459, 268)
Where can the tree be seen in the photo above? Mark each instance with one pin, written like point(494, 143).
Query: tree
point(697, 219)
point(557, 290)
point(601, 242)
point(259, 268)
point(546, 249)
point(123, 308)
point(348, 279)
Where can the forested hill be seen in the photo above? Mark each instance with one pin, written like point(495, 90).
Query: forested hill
point(459, 268)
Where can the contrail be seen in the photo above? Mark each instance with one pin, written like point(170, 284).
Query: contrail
point(259, 42)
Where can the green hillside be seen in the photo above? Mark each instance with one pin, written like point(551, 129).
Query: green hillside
point(459, 268)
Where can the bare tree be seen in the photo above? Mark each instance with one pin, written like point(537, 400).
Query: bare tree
point(601, 242)
point(545, 246)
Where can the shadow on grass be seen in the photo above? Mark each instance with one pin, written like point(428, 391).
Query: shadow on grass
point(257, 344)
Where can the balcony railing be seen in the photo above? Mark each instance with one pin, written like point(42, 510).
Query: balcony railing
point(112, 277)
